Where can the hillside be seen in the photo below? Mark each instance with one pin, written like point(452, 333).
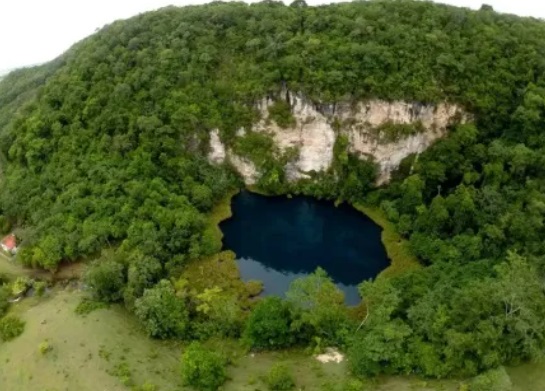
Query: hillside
point(130, 139)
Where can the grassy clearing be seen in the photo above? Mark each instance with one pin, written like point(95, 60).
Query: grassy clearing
point(528, 377)
point(219, 270)
point(100, 351)
point(221, 211)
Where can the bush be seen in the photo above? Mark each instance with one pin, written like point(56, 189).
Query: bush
point(280, 112)
point(86, 306)
point(163, 314)
point(39, 288)
point(254, 288)
point(5, 294)
point(44, 347)
point(106, 280)
point(202, 369)
point(268, 326)
point(20, 286)
point(11, 327)
point(353, 385)
point(280, 378)
point(493, 380)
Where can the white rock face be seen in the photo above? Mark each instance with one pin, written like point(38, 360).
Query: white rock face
point(370, 115)
point(244, 167)
point(219, 153)
point(314, 134)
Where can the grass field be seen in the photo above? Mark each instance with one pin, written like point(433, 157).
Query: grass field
point(106, 350)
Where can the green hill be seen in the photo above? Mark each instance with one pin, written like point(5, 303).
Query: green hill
point(106, 148)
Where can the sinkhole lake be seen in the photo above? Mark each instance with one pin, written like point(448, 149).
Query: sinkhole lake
point(279, 239)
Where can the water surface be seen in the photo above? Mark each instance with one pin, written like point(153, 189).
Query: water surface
point(278, 239)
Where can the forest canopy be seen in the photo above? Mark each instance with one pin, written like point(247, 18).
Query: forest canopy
point(105, 148)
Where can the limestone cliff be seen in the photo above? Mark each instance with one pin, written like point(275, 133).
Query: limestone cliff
point(318, 125)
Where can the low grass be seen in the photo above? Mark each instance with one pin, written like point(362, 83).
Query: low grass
point(99, 351)
point(398, 249)
point(221, 211)
point(528, 377)
point(219, 270)
point(10, 268)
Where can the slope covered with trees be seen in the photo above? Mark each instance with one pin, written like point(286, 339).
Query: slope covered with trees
point(105, 148)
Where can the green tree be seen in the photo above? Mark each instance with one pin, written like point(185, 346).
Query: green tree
point(269, 325)
point(143, 273)
point(319, 304)
point(163, 314)
point(106, 280)
point(202, 368)
point(11, 327)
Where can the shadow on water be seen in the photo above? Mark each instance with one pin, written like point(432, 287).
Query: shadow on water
point(278, 239)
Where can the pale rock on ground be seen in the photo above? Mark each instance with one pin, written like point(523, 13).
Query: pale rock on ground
point(330, 355)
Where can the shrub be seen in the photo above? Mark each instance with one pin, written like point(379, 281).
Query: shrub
point(39, 288)
point(202, 369)
point(148, 387)
point(492, 380)
point(11, 327)
point(353, 385)
point(106, 280)
point(280, 112)
point(280, 378)
point(5, 294)
point(268, 326)
point(86, 306)
point(254, 288)
point(163, 314)
point(44, 347)
point(20, 286)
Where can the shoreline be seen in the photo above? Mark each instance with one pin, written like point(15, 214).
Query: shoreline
point(397, 248)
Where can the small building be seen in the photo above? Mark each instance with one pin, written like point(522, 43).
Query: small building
point(9, 244)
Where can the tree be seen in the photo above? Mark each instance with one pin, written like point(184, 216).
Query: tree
point(383, 339)
point(4, 297)
point(221, 312)
point(269, 325)
point(106, 280)
point(162, 313)
point(11, 327)
point(143, 273)
point(318, 303)
point(202, 368)
point(519, 291)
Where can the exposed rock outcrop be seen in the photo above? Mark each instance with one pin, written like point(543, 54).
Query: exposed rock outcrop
point(318, 125)
point(218, 153)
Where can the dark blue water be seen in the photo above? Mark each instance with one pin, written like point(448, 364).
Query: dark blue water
point(278, 239)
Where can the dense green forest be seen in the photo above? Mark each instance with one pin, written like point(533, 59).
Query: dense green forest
point(105, 148)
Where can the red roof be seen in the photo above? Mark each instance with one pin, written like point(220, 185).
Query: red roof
point(10, 242)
